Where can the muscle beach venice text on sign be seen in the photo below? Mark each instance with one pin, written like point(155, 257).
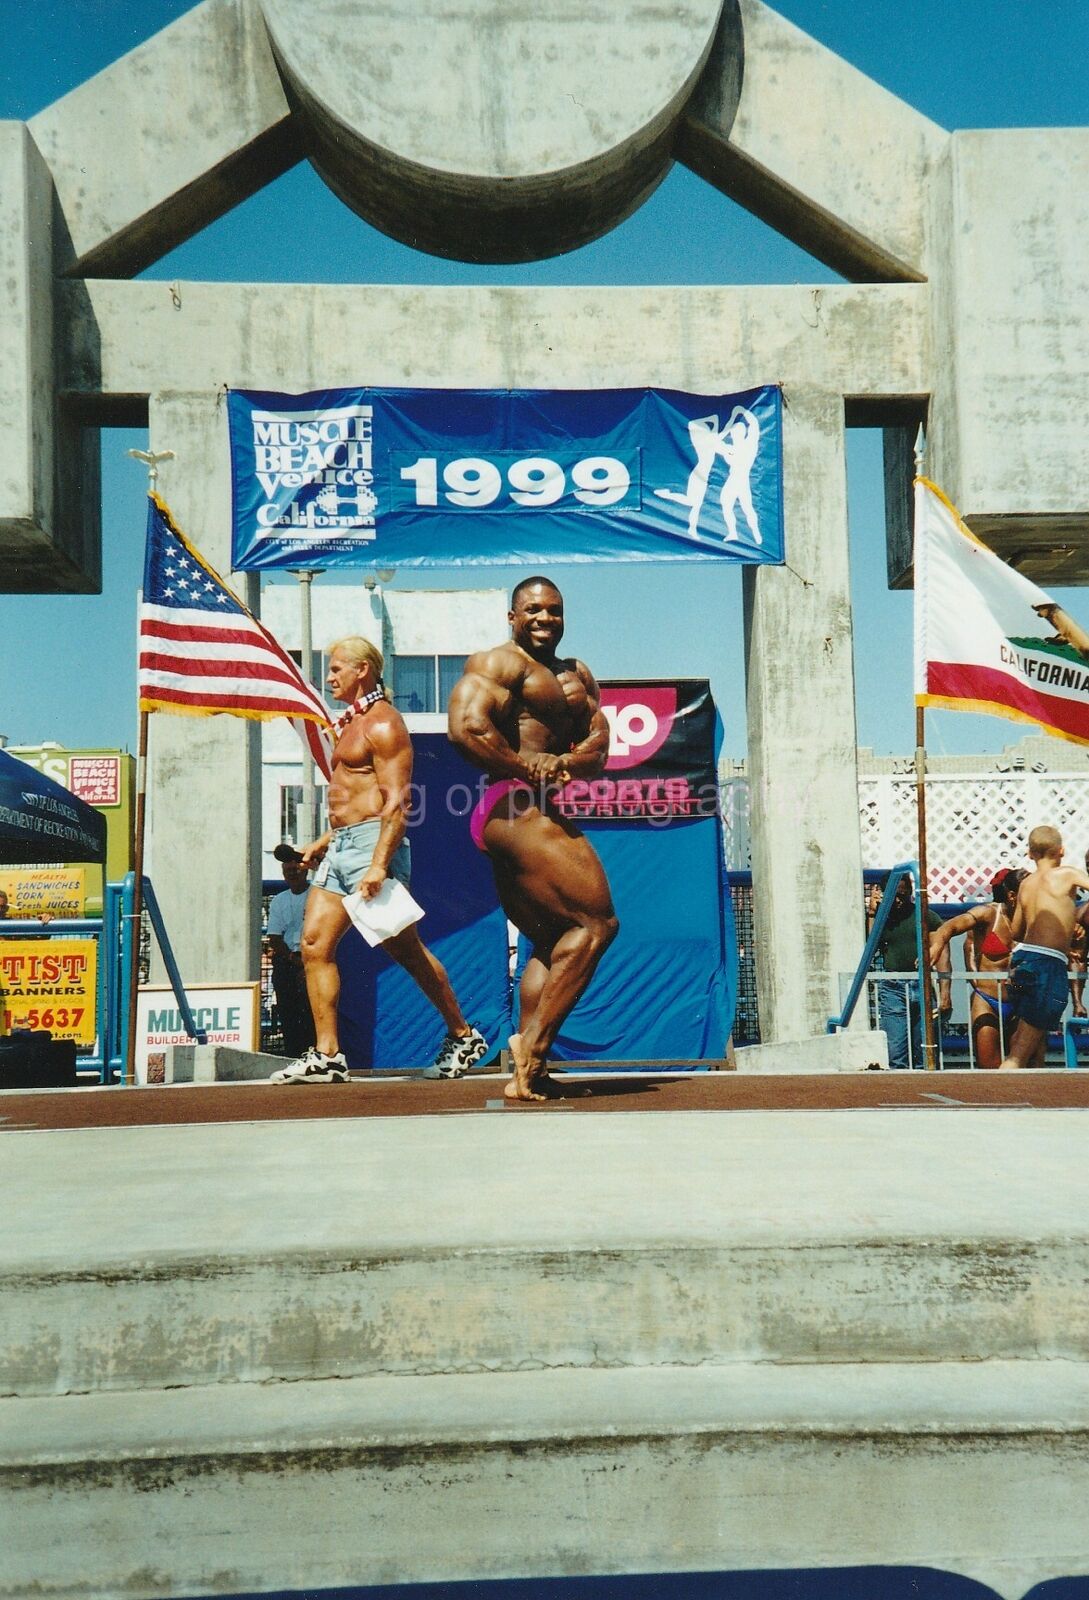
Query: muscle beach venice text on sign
point(435, 477)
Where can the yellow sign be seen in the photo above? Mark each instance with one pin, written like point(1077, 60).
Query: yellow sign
point(50, 983)
point(61, 891)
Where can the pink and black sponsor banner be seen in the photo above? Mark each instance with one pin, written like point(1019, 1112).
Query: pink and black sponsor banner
point(661, 764)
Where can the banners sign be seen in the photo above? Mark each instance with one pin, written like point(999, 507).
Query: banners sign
point(439, 477)
point(49, 983)
point(661, 764)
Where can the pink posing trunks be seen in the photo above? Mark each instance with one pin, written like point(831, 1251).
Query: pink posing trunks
point(487, 804)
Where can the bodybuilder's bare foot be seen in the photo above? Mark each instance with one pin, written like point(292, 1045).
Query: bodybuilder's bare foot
point(525, 1082)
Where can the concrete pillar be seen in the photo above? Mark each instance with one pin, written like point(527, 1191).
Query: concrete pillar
point(165, 140)
point(1009, 437)
point(204, 814)
point(26, 359)
point(806, 850)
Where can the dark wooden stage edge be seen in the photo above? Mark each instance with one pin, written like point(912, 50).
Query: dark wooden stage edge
point(713, 1092)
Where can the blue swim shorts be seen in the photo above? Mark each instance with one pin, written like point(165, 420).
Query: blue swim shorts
point(1039, 986)
point(352, 852)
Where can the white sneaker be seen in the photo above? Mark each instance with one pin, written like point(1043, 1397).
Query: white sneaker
point(457, 1055)
point(313, 1067)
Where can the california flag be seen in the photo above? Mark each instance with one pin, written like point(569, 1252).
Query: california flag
point(986, 639)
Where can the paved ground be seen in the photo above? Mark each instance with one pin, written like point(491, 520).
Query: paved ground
point(381, 1097)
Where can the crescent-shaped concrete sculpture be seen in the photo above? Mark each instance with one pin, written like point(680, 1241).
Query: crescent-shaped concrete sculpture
point(484, 129)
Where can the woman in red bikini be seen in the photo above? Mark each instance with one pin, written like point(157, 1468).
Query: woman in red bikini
point(987, 949)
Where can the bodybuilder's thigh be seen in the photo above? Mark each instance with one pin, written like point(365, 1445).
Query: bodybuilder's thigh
point(553, 867)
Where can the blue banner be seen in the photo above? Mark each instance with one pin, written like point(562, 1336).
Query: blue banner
point(441, 477)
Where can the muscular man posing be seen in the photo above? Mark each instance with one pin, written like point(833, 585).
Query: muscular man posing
point(532, 720)
point(368, 794)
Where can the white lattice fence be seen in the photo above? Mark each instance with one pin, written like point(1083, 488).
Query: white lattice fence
point(975, 823)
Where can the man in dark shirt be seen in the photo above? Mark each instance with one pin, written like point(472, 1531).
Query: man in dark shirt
point(284, 934)
point(898, 999)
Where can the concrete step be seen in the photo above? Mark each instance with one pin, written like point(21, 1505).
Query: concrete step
point(213, 1254)
point(299, 1316)
point(977, 1468)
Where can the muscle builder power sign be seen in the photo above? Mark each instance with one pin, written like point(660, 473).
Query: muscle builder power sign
point(661, 764)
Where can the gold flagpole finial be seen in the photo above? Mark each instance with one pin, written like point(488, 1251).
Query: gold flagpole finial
point(151, 459)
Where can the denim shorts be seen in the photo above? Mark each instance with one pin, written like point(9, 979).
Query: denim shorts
point(352, 852)
point(1039, 987)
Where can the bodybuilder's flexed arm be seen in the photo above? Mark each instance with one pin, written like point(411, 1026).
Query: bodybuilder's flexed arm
point(590, 751)
point(482, 706)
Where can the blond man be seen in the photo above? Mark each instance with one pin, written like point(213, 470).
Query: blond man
point(365, 844)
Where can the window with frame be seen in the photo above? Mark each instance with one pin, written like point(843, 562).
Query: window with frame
point(424, 683)
point(291, 805)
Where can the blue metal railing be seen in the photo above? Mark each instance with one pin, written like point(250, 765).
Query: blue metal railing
point(118, 957)
point(130, 956)
point(1072, 1027)
point(881, 917)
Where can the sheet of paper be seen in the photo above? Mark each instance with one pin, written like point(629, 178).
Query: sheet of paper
point(391, 911)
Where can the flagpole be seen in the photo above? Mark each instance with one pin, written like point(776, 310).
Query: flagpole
point(930, 1047)
point(151, 459)
point(137, 913)
point(306, 578)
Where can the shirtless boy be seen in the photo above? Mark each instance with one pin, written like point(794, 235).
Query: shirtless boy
point(365, 844)
point(533, 719)
point(1043, 922)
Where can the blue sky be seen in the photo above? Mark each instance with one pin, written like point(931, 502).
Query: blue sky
point(968, 64)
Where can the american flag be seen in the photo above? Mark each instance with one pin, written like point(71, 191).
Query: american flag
point(203, 652)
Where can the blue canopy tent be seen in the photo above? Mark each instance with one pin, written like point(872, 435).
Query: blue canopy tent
point(41, 821)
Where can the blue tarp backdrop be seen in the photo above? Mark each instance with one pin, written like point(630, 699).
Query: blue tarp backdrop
point(664, 991)
point(385, 1021)
point(797, 1583)
point(438, 477)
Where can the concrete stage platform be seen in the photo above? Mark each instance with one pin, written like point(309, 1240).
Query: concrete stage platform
point(271, 1339)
